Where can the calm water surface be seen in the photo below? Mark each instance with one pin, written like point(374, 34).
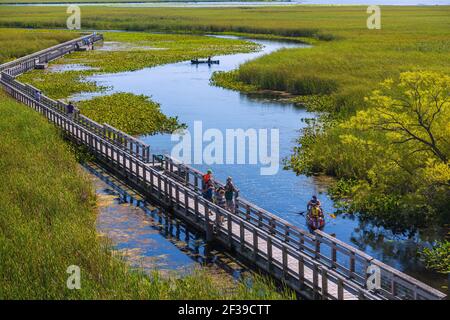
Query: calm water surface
point(184, 90)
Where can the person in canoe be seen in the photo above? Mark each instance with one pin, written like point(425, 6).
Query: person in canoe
point(209, 59)
point(315, 217)
point(313, 202)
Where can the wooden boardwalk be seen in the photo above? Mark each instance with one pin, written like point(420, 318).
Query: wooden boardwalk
point(317, 264)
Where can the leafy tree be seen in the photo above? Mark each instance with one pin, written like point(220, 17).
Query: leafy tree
point(413, 111)
point(395, 153)
point(438, 257)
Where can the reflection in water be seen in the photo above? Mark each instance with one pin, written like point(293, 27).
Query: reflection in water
point(185, 91)
point(150, 238)
point(399, 251)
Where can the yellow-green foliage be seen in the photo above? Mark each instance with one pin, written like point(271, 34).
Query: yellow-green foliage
point(438, 257)
point(134, 114)
point(397, 150)
point(47, 223)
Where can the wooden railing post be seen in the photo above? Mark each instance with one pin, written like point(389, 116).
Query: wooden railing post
point(230, 230)
point(324, 284)
point(301, 272)
point(317, 246)
point(255, 244)
point(352, 265)
point(284, 259)
point(269, 253)
point(333, 255)
point(315, 288)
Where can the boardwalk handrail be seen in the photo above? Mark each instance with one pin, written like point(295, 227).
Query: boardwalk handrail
point(342, 257)
point(38, 54)
point(285, 251)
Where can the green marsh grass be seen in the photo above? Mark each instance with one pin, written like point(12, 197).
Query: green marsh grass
point(19, 42)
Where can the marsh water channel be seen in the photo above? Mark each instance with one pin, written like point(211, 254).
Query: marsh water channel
point(184, 90)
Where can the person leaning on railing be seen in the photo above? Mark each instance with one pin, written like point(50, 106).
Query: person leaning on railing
point(70, 110)
point(231, 192)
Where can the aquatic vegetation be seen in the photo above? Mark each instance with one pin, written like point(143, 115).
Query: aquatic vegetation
point(438, 257)
point(148, 50)
point(134, 114)
point(229, 80)
point(58, 85)
point(145, 50)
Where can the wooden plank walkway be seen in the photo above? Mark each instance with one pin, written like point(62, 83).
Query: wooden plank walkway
point(323, 265)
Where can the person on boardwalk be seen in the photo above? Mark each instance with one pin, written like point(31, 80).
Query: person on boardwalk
point(205, 179)
point(221, 202)
point(37, 96)
point(230, 191)
point(208, 191)
point(220, 198)
point(70, 109)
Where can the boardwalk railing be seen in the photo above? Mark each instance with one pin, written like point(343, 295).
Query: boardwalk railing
point(329, 268)
point(335, 254)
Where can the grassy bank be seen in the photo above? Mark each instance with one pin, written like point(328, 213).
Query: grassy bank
point(127, 52)
point(47, 223)
point(20, 42)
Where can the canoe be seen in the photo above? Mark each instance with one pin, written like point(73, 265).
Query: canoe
point(205, 61)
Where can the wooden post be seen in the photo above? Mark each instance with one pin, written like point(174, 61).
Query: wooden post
point(315, 281)
point(230, 230)
point(352, 265)
point(196, 211)
point(285, 261)
point(301, 272)
point(177, 196)
point(269, 253)
point(242, 235)
point(208, 225)
point(286, 233)
point(186, 178)
point(196, 182)
point(340, 289)
point(333, 255)
point(255, 244)
point(259, 219)
point(272, 226)
point(324, 284)
point(186, 201)
point(317, 247)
